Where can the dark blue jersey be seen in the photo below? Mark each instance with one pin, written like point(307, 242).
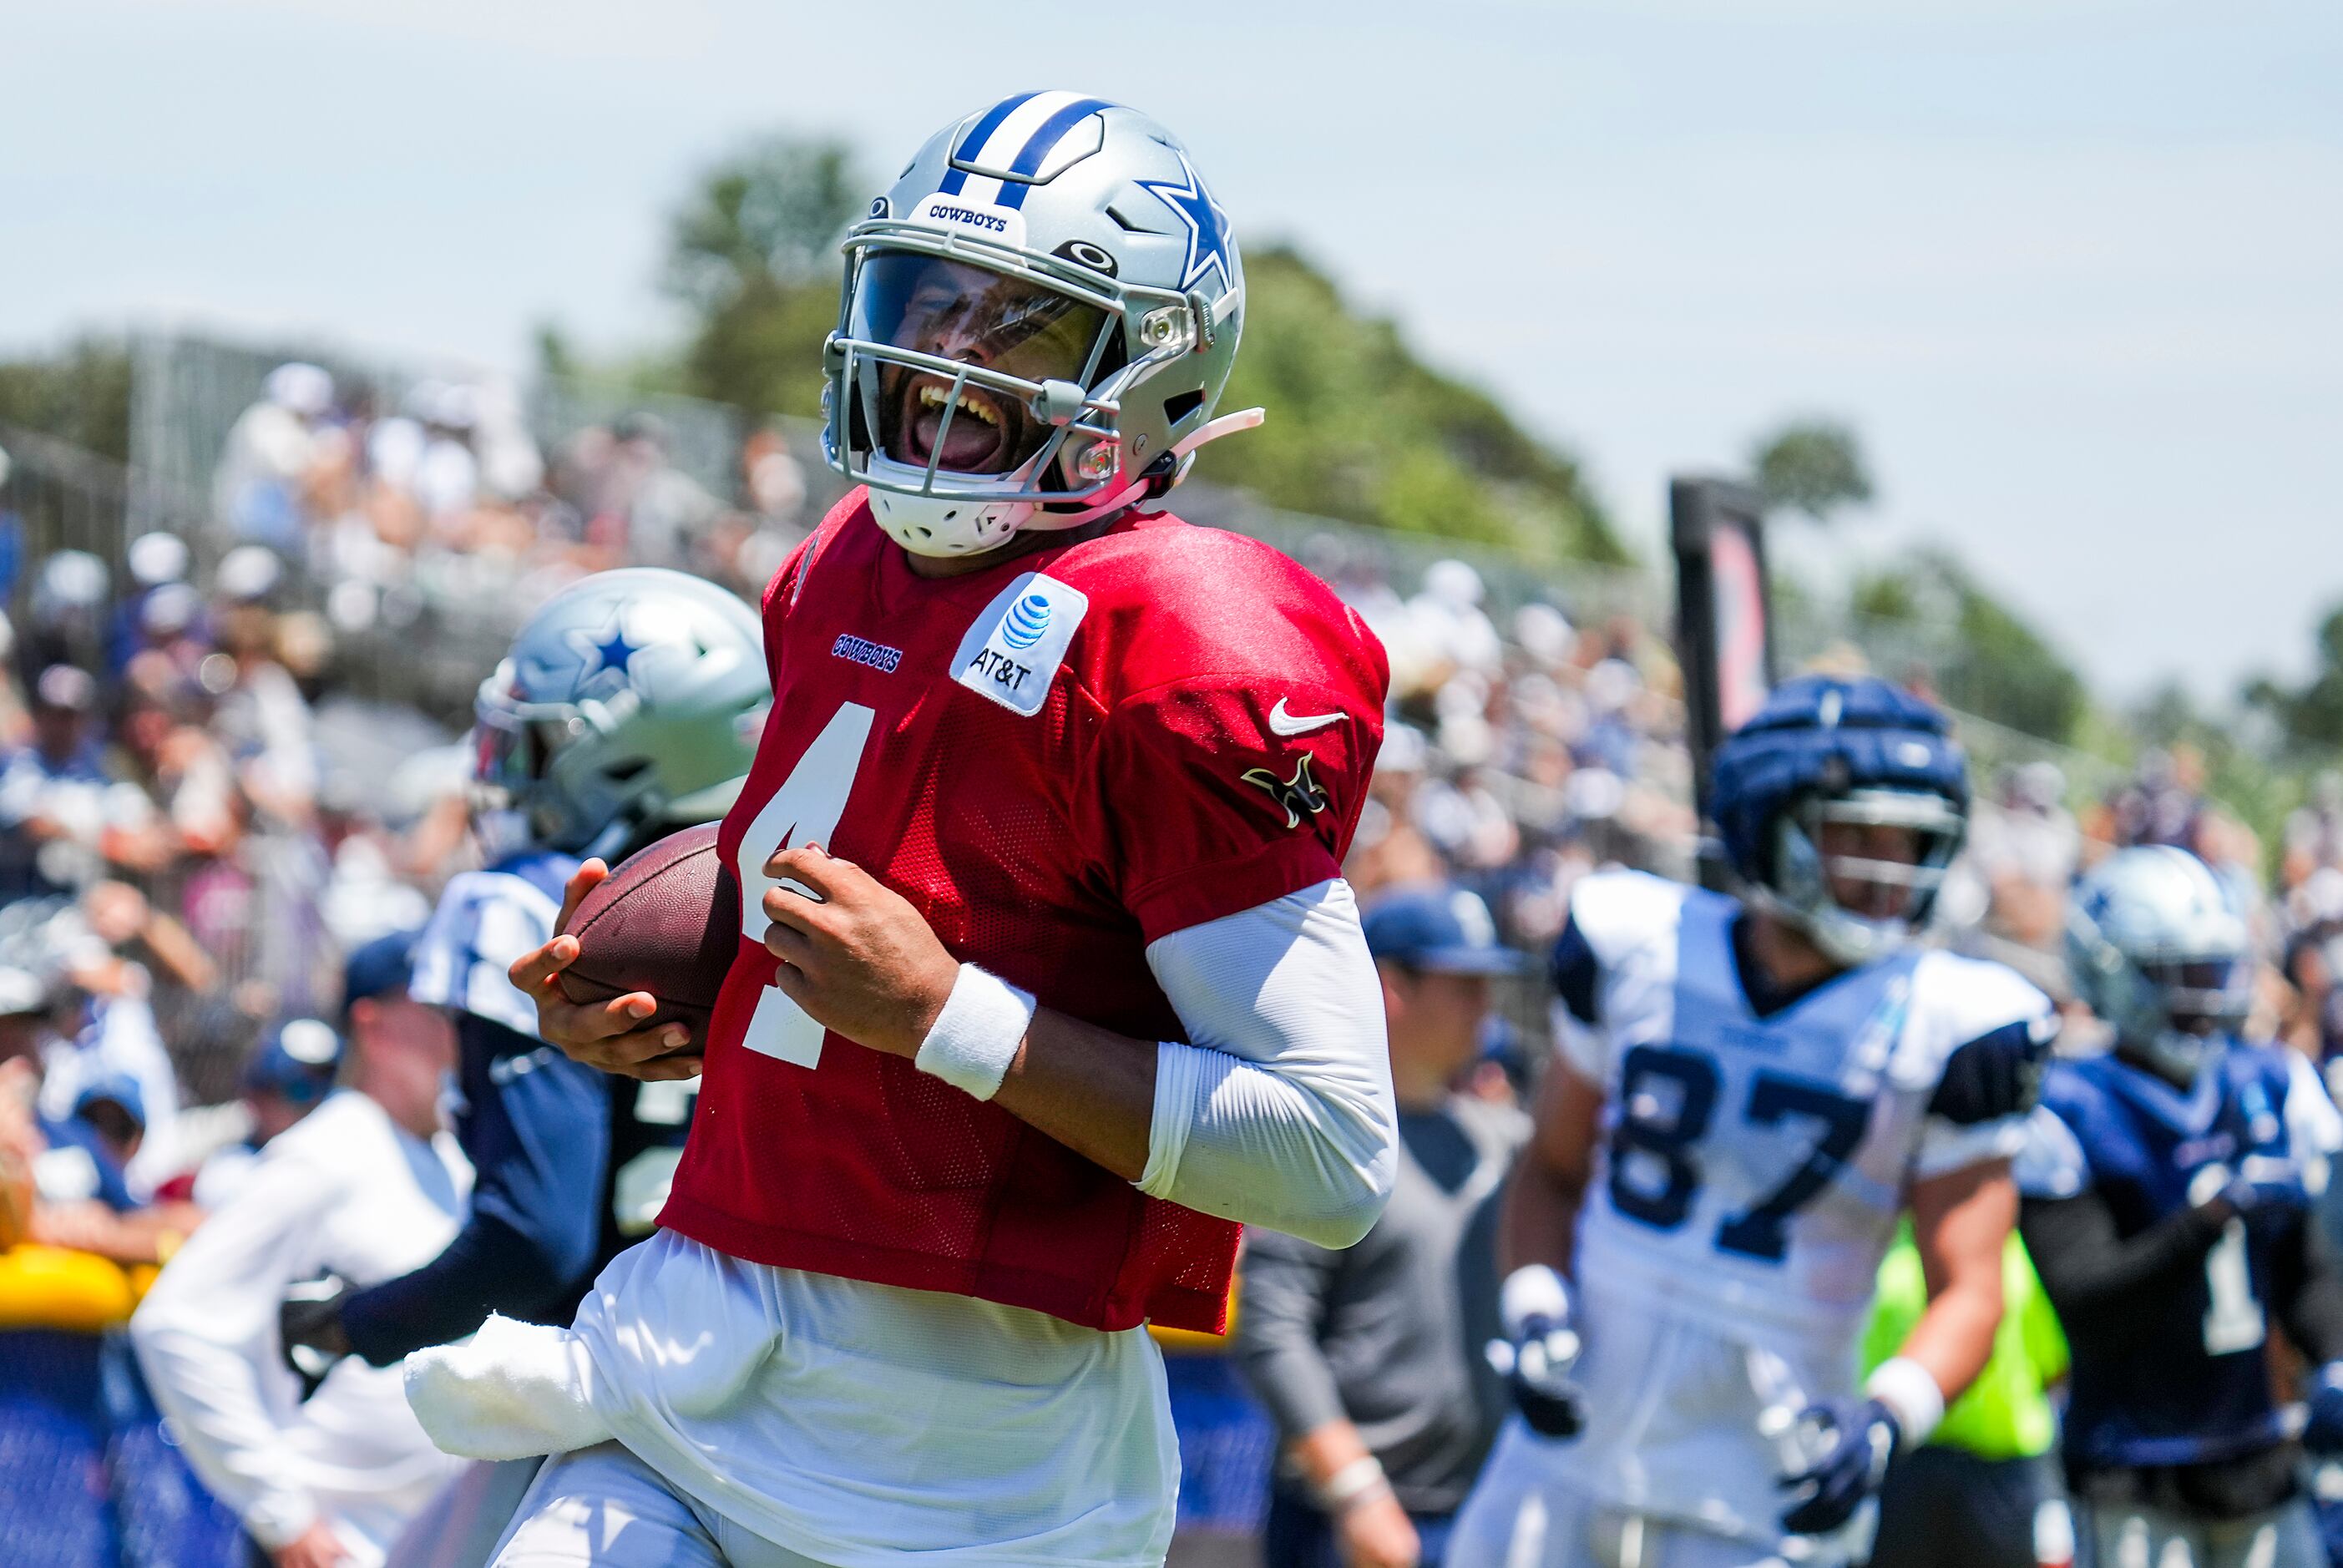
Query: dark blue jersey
point(2170, 1369)
point(563, 1156)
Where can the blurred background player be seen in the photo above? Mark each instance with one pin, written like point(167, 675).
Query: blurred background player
point(1747, 1093)
point(2168, 1186)
point(63, 1175)
point(1365, 1356)
point(287, 1077)
point(626, 710)
point(367, 1186)
point(1977, 1494)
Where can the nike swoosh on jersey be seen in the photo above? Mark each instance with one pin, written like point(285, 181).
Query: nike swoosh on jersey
point(1281, 722)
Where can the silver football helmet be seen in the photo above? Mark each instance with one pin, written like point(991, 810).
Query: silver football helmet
point(2159, 954)
point(631, 699)
point(1037, 322)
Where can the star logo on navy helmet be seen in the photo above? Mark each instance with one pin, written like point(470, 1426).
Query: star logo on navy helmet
point(1298, 796)
point(1208, 225)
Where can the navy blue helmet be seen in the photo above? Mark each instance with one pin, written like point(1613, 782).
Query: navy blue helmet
point(1866, 758)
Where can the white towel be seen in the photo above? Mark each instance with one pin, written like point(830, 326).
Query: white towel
point(512, 1391)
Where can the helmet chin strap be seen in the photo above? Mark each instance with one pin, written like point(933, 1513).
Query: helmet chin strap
point(1182, 452)
point(1214, 429)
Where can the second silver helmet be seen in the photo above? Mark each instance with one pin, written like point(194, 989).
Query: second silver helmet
point(631, 699)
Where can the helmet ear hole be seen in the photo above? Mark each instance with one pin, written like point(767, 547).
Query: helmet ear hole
point(1180, 405)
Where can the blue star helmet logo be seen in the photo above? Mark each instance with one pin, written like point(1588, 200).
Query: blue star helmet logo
point(605, 652)
point(1208, 225)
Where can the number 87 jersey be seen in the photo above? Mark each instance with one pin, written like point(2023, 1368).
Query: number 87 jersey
point(1752, 1164)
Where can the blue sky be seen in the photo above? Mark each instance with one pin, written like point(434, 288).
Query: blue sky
point(2075, 270)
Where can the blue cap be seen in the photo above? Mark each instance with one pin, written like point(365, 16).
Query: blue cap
point(382, 965)
point(1441, 930)
point(297, 1059)
point(118, 1087)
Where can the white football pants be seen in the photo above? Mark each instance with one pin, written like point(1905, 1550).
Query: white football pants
point(602, 1507)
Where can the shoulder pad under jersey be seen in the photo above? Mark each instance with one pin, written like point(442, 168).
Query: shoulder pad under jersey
point(1619, 912)
point(485, 921)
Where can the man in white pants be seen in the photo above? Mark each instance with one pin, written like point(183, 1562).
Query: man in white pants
point(369, 1186)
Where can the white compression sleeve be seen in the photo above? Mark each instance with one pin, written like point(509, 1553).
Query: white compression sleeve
point(1280, 1114)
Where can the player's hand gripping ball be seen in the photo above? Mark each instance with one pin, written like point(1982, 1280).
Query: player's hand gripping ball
point(629, 984)
point(857, 955)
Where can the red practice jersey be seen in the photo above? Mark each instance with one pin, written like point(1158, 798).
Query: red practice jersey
point(1058, 759)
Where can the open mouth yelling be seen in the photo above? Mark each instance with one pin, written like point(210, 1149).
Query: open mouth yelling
point(978, 440)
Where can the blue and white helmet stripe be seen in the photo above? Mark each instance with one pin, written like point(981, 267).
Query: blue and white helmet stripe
point(1014, 138)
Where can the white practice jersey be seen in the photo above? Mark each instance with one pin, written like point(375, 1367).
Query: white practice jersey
point(484, 921)
point(1751, 1175)
point(344, 1193)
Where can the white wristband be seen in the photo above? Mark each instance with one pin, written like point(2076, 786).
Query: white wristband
point(1353, 1483)
point(1909, 1391)
point(977, 1036)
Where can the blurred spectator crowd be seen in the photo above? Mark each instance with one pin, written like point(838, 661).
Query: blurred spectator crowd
point(441, 496)
point(200, 816)
point(200, 813)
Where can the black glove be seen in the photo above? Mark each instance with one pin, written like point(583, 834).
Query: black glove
point(1863, 1438)
point(309, 1329)
point(1536, 1363)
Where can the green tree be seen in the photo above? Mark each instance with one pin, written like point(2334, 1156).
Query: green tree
point(771, 212)
point(753, 254)
point(1982, 655)
point(1360, 429)
point(1811, 465)
point(2311, 714)
point(81, 394)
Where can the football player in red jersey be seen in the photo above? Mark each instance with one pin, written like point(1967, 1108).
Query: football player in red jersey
point(1048, 979)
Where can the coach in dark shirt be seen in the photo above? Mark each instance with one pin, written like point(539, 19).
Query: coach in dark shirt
point(1369, 1359)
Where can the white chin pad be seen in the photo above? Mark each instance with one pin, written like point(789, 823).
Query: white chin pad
point(513, 1391)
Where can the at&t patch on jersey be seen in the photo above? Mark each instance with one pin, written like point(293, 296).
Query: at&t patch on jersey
point(1011, 652)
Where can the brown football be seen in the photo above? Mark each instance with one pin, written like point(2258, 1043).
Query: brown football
point(666, 921)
